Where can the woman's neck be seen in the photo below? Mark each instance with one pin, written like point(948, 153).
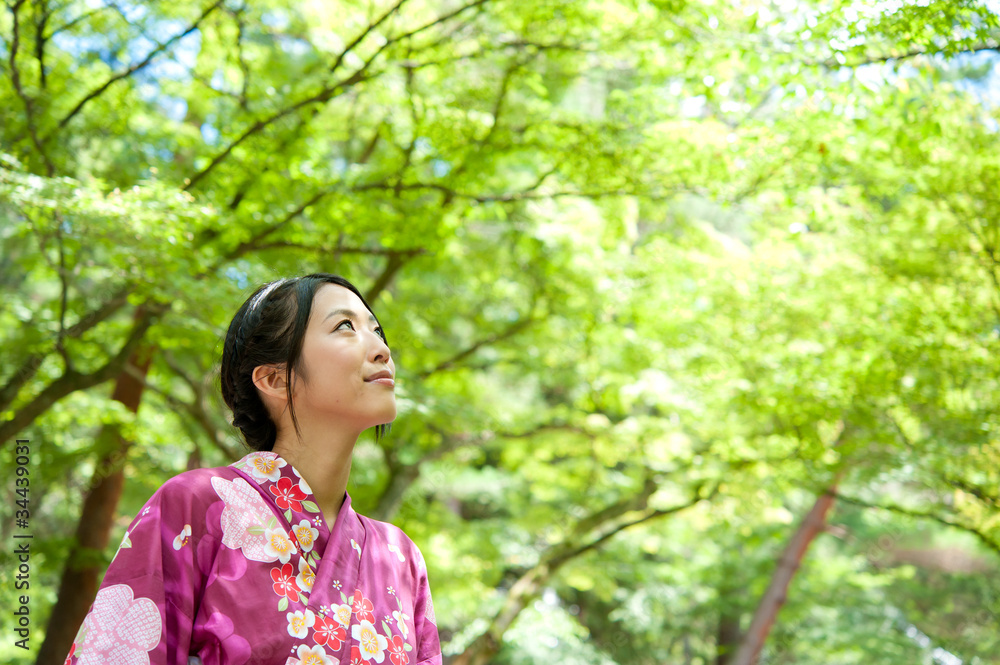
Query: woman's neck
point(325, 464)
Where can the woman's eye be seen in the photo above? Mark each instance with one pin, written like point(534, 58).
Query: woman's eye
point(380, 333)
point(342, 323)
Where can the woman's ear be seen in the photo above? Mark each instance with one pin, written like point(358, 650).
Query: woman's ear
point(270, 381)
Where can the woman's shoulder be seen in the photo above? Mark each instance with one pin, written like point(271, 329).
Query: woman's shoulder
point(394, 538)
point(196, 486)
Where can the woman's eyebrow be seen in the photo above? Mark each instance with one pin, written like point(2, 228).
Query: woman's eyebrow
point(350, 314)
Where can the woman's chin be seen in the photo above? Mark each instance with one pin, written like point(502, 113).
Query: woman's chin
point(387, 416)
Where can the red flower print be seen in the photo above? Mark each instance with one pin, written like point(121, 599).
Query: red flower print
point(362, 607)
point(69, 658)
point(287, 494)
point(284, 582)
point(397, 651)
point(356, 658)
point(329, 633)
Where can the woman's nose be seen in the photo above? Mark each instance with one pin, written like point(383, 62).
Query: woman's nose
point(380, 349)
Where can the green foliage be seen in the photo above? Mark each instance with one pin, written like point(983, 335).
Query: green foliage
point(654, 275)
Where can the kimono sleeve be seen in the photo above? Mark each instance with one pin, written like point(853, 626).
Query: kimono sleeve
point(147, 602)
point(428, 641)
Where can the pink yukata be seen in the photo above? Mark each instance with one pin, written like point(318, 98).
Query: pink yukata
point(236, 565)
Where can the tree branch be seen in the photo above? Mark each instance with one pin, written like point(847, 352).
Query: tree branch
point(985, 539)
point(506, 333)
point(629, 520)
point(975, 490)
point(325, 249)
point(392, 266)
point(324, 95)
point(525, 195)
point(280, 148)
point(15, 77)
point(30, 366)
point(241, 58)
point(912, 53)
point(530, 584)
point(63, 297)
point(41, 22)
point(504, 89)
point(72, 22)
point(364, 33)
point(195, 409)
point(71, 381)
point(96, 92)
point(439, 20)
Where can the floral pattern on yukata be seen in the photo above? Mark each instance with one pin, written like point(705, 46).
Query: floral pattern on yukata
point(119, 629)
point(264, 535)
point(374, 638)
point(245, 519)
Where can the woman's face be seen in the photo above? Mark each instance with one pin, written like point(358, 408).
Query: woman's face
point(347, 373)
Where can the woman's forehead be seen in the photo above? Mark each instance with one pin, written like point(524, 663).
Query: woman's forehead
point(333, 298)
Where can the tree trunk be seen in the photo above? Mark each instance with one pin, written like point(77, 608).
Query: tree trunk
point(728, 638)
point(731, 590)
point(401, 476)
point(777, 590)
point(79, 581)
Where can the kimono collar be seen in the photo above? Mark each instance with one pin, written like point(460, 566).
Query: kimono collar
point(280, 483)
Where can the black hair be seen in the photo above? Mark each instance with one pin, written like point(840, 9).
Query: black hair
point(268, 330)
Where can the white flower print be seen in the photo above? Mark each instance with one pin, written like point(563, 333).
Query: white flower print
point(342, 613)
point(370, 643)
point(310, 656)
point(277, 544)
point(306, 577)
point(265, 466)
point(119, 628)
point(401, 625)
point(304, 486)
point(337, 584)
point(299, 623)
point(244, 518)
point(182, 538)
point(306, 535)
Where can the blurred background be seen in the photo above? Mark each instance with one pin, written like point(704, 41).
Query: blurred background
point(695, 304)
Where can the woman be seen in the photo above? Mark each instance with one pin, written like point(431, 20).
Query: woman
point(265, 561)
